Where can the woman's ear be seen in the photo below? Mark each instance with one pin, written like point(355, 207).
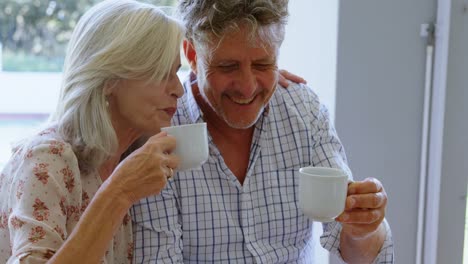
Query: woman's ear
point(190, 54)
point(109, 87)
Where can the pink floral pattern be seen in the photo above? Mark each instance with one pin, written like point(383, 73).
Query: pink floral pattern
point(16, 222)
point(43, 194)
point(20, 189)
point(3, 220)
point(126, 219)
point(73, 212)
point(68, 178)
point(85, 201)
point(41, 211)
point(130, 252)
point(59, 230)
point(56, 148)
point(63, 207)
point(41, 172)
point(37, 233)
point(48, 254)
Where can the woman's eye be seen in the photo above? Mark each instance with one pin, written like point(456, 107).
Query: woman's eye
point(171, 76)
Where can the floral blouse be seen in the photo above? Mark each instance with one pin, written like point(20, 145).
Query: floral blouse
point(42, 197)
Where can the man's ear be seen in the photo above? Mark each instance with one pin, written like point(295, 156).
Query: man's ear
point(190, 54)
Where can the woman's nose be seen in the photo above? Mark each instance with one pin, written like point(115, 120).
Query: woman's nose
point(177, 88)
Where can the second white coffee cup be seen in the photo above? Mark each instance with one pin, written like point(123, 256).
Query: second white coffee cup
point(192, 144)
point(322, 192)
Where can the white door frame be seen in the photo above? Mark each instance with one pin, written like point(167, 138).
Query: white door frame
point(446, 178)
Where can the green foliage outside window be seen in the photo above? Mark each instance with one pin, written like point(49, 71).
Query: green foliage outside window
point(35, 33)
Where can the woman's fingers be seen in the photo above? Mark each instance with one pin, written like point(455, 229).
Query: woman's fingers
point(163, 143)
point(285, 77)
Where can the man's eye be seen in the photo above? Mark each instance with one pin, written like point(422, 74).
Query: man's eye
point(227, 67)
point(262, 67)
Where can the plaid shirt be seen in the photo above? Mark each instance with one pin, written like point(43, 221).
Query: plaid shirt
point(207, 216)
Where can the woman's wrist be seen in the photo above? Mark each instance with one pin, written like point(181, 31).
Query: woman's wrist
point(115, 193)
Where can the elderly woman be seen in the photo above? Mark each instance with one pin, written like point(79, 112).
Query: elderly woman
point(64, 194)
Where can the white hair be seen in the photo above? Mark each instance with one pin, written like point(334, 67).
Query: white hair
point(208, 21)
point(115, 39)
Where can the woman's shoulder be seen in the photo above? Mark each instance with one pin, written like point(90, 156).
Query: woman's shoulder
point(41, 162)
point(45, 145)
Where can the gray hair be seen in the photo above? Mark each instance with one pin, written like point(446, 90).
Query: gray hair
point(115, 39)
point(205, 19)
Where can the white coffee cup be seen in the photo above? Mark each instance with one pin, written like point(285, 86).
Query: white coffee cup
point(322, 192)
point(192, 144)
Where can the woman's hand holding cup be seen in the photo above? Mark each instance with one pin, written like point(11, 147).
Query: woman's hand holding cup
point(145, 171)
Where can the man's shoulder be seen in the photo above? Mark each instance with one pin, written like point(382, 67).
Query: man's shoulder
point(296, 95)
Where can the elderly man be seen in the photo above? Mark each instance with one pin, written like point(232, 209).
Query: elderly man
point(241, 206)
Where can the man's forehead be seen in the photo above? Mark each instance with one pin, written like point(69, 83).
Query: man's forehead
point(242, 36)
point(238, 46)
point(243, 53)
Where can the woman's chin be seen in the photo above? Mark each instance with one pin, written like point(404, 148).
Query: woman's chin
point(164, 124)
point(152, 131)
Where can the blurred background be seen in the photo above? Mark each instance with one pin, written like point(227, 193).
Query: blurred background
point(33, 38)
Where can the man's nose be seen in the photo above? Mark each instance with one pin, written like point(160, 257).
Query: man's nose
point(247, 82)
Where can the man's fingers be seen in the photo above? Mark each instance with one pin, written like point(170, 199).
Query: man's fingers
point(364, 201)
point(361, 216)
point(369, 185)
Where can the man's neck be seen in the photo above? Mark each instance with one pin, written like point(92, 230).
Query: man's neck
point(233, 143)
